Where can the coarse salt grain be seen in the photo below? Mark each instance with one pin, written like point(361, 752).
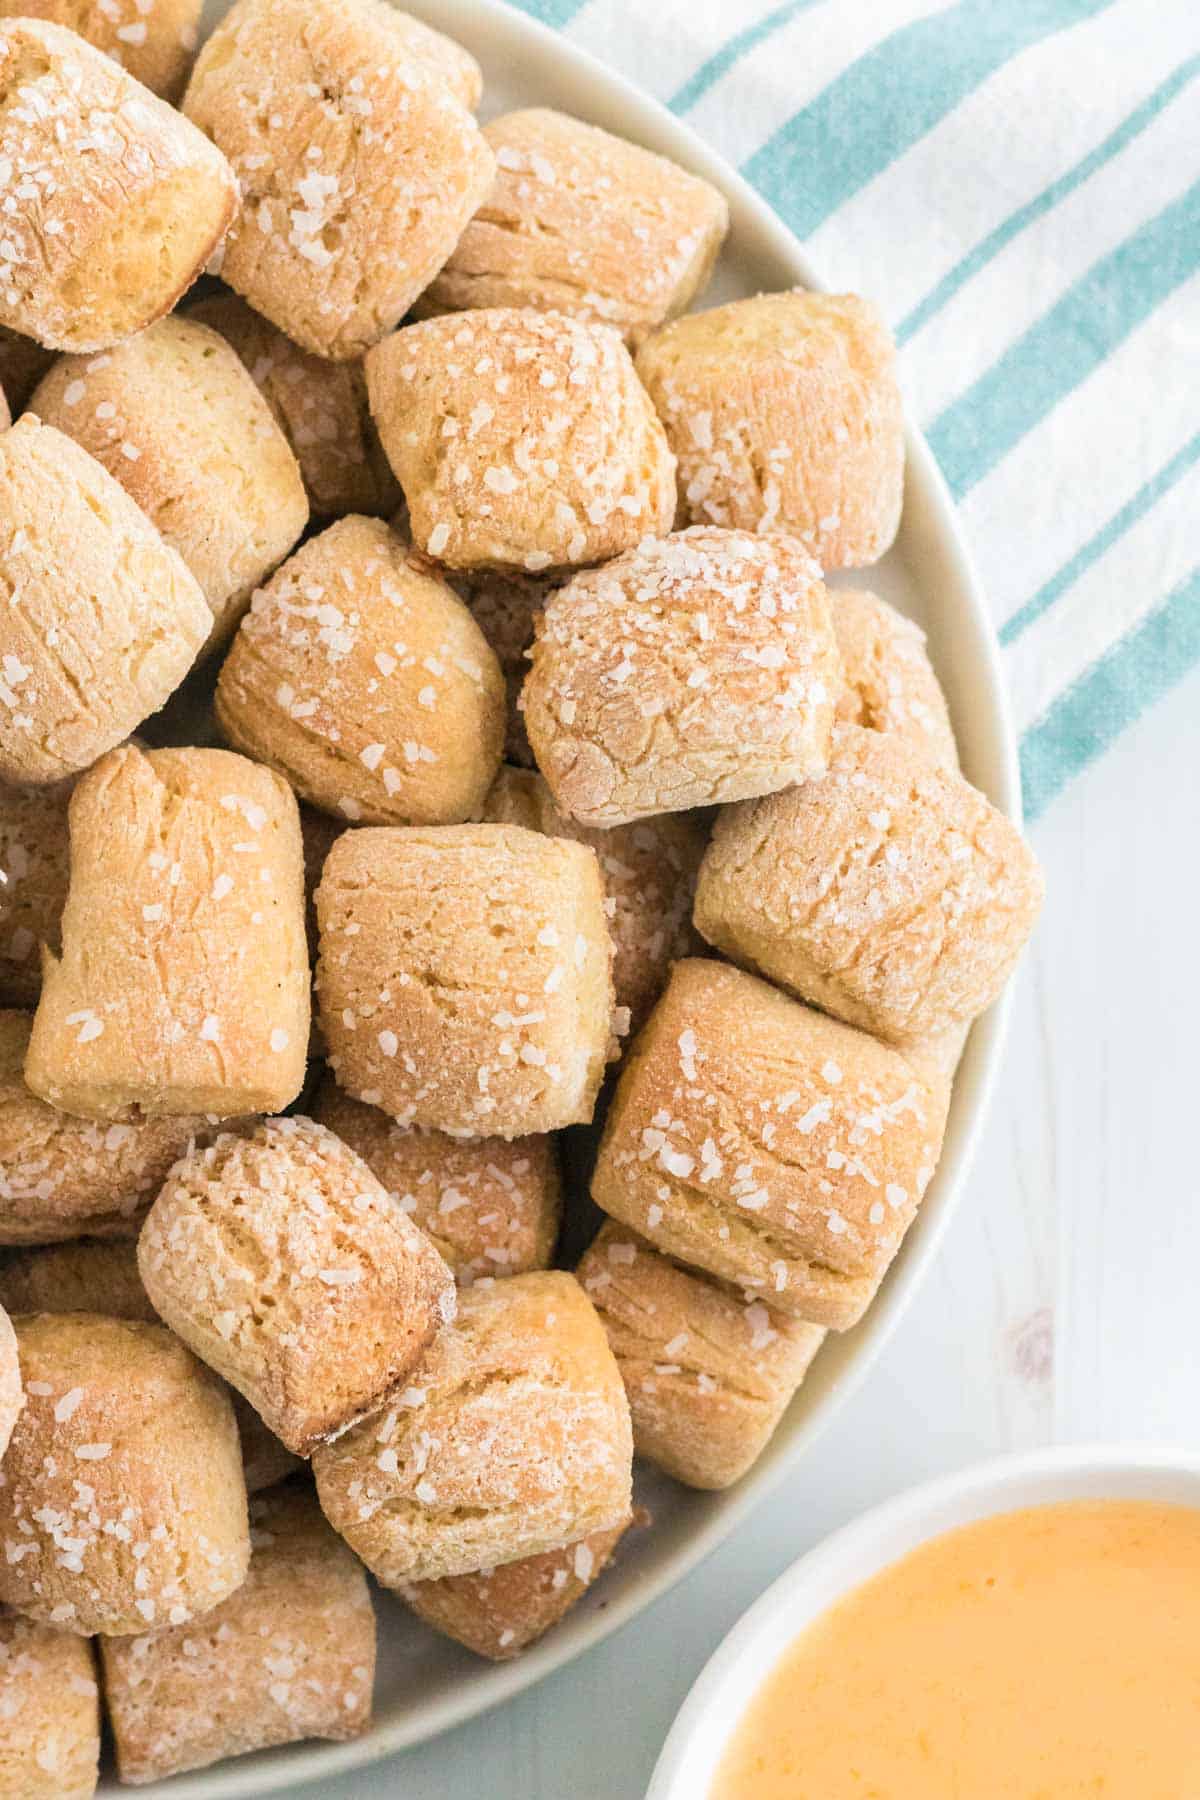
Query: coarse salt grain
point(761, 1330)
point(90, 1026)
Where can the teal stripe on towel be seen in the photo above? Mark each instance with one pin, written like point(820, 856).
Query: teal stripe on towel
point(1134, 508)
point(733, 50)
point(551, 12)
point(1017, 221)
point(1066, 344)
point(1105, 701)
point(892, 96)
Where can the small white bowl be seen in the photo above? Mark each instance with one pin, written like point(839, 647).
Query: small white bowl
point(728, 1683)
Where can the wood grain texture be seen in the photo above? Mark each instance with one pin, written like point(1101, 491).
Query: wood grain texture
point(1062, 1307)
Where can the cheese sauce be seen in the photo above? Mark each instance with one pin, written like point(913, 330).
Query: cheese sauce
point(1040, 1655)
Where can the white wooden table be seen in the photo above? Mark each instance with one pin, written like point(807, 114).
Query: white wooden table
point(1063, 1308)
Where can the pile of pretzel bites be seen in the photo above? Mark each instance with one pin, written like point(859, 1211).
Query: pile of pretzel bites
point(431, 615)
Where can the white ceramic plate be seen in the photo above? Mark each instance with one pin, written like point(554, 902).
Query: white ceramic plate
point(724, 1688)
point(425, 1683)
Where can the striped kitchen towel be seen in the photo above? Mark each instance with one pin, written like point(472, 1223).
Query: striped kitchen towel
point(1015, 183)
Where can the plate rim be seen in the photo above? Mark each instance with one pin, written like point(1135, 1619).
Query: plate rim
point(618, 104)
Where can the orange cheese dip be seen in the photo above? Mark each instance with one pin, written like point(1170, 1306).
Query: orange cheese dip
point(1039, 1655)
